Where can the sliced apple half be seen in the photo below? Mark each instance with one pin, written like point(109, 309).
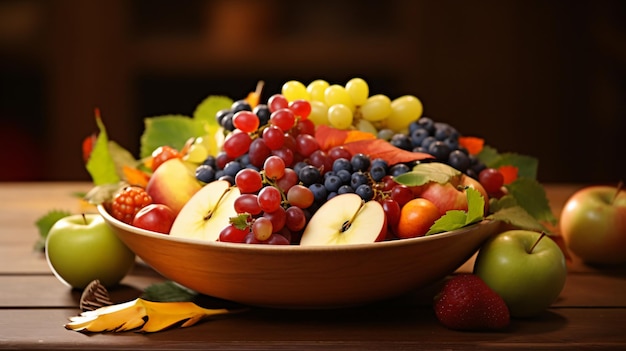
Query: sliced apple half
point(207, 212)
point(346, 219)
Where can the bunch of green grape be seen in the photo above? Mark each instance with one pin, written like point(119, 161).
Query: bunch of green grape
point(350, 106)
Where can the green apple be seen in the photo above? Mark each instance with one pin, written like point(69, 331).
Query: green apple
point(82, 248)
point(527, 269)
point(593, 224)
point(173, 184)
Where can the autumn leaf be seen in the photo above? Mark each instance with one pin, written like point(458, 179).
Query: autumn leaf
point(473, 145)
point(329, 137)
point(379, 148)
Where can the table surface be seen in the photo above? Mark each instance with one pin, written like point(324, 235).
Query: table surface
point(34, 305)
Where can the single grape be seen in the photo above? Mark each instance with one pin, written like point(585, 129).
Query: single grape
point(337, 95)
point(232, 234)
point(404, 110)
point(248, 181)
point(358, 178)
point(344, 175)
point(401, 141)
point(418, 136)
point(196, 153)
point(295, 219)
point(491, 179)
point(305, 126)
point(342, 164)
point(376, 108)
point(247, 203)
point(274, 137)
point(366, 126)
point(398, 169)
point(321, 160)
point(332, 183)
point(392, 211)
point(262, 228)
point(360, 162)
point(232, 168)
point(240, 105)
point(365, 191)
point(309, 175)
point(227, 122)
point(401, 194)
point(319, 113)
point(439, 150)
point(269, 198)
point(306, 144)
point(301, 108)
point(263, 112)
point(459, 160)
point(339, 152)
point(237, 144)
point(340, 116)
point(258, 152)
point(345, 189)
point(205, 173)
point(358, 90)
point(283, 118)
point(246, 121)
point(294, 90)
point(319, 192)
point(378, 172)
point(385, 134)
point(300, 196)
point(316, 90)
point(276, 102)
point(274, 167)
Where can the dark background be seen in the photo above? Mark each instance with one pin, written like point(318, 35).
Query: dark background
point(541, 78)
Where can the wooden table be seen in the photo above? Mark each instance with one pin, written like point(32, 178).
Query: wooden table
point(34, 305)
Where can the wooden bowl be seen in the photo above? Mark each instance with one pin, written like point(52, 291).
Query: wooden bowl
point(282, 276)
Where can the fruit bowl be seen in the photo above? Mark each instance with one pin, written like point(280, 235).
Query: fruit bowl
point(290, 276)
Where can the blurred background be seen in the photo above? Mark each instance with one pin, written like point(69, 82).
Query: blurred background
point(541, 78)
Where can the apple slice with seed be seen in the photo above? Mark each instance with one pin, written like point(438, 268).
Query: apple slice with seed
point(346, 219)
point(207, 212)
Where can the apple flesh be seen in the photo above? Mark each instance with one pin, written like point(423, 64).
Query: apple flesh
point(207, 212)
point(527, 272)
point(451, 195)
point(173, 184)
point(155, 217)
point(346, 219)
point(82, 249)
point(593, 225)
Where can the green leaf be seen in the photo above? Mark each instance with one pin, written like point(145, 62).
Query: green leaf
point(241, 220)
point(475, 206)
point(426, 172)
point(456, 219)
point(171, 130)
point(527, 166)
point(168, 292)
point(209, 107)
point(453, 219)
point(121, 157)
point(531, 196)
point(519, 218)
point(505, 201)
point(44, 224)
point(101, 165)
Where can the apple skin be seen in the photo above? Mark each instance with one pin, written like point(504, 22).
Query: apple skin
point(80, 250)
point(529, 282)
point(173, 184)
point(451, 195)
point(155, 217)
point(593, 225)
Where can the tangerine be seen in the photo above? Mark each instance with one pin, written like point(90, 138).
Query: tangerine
point(416, 218)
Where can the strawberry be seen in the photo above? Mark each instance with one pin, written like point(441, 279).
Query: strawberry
point(466, 302)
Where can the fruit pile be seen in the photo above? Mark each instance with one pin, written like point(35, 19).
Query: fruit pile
point(255, 171)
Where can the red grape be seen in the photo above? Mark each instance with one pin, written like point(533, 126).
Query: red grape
point(300, 196)
point(401, 194)
point(278, 218)
point(248, 181)
point(233, 234)
point(237, 144)
point(276, 102)
point(392, 211)
point(301, 108)
point(274, 167)
point(246, 121)
point(491, 179)
point(274, 137)
point(295, 219)
point(286, 154)
point(262, 228)
point(258, 152)
point(339, 152)
point(283, 119)
point(306, 144)
point(269, 198)
point(288, 180)
point(247, 203)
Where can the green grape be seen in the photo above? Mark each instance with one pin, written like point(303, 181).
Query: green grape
point(358, 90)
point(366, 126)
point(294, 90)
point(319, 113)
point(376, 108)
point(316, 90)
point(340, 116)
point(405, 110)
point(197, 153)
point(337, 94)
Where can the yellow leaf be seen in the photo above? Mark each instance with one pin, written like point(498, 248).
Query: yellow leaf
point(142, 316)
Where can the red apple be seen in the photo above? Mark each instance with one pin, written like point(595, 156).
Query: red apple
point(155, 217)
point(173, 184)
point(451, 195)
point(593, 224)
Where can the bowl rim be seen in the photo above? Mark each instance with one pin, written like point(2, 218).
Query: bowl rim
point(285, 248)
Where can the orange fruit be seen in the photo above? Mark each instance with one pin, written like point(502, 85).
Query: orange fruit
point(416, 217)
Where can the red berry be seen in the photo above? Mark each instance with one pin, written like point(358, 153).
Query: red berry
point(491, 179)
point(162, 154)
point(466, 302)
point(128, 202)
